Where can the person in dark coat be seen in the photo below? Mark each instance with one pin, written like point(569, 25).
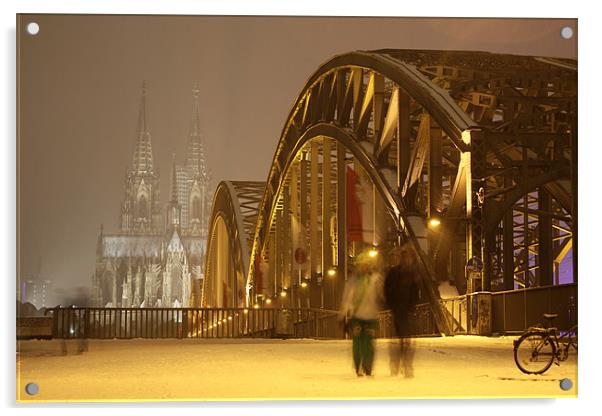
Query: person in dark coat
point(401, 295)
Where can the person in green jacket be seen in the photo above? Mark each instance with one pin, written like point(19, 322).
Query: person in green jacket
point(362, 301)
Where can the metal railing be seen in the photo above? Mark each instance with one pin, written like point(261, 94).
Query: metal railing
point(511, 312)
point(127, 323)
point(514, 311)
point(421, 323)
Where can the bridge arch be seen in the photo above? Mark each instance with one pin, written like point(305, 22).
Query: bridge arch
point(232, 224)
point(434, 132)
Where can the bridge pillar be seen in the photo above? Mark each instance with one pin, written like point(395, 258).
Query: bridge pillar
point(478, 244)
point(403, 139)
point(434, 197)
point(287, 267)
point(545, 247)
point(341, 237)
point(306, 272)
point(315, 256)
point(326, 296)
point(508, 242)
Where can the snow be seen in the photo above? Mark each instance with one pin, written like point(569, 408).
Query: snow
point(447, 291)
point(241, 369)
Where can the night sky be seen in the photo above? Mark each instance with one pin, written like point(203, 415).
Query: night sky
point(79, 88)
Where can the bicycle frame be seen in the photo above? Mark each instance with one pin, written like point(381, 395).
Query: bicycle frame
point(563, 342)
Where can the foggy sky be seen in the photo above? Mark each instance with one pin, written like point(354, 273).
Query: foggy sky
point(79, 88)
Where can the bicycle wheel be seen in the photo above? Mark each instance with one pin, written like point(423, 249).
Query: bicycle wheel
point(534, 352)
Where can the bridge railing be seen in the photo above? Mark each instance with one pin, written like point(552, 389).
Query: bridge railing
point(511, 311)
point(126, 323)
point(421, 323)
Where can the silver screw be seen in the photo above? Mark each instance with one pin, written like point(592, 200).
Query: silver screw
point(566, 384)
point(33, 28)
point(566, 32)
point(32, 389)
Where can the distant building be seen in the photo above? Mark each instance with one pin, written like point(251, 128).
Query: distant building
point(37, 292)
point(155, 260)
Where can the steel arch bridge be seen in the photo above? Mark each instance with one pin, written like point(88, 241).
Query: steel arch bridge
point(483, 143)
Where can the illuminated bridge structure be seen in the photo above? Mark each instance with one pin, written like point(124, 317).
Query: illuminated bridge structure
point(482, 144)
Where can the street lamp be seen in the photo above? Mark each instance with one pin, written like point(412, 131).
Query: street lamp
point(434, 222)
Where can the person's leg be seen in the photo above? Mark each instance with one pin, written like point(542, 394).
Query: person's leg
point(394, 356)
point(396, 348)
point(356, 332)
point(408, 357)
point(369, 332)
point(407, 348)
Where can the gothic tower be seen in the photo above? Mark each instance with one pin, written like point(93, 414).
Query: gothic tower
point(141, 211)
point(194, 192)
point(174, 208)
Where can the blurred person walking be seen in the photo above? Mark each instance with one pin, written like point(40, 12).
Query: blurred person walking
point(362, 300)
point(401, 296)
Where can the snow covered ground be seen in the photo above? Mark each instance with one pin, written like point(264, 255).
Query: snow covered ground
point(237, 369)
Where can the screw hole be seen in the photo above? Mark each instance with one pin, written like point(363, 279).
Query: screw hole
point(566, 384)
point(32, 389)
point(33, 28)
point(566, 32)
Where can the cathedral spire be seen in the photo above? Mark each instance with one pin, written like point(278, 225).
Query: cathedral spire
point(195, 130)
point(174, 180)
point(143, 153)
point(174, 209)
point(195, 155)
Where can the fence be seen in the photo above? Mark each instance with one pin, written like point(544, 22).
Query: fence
point(511, 312)
point(125, 323)
point(514, 311)
point(421, 323)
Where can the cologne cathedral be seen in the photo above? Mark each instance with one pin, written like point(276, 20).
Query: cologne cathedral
point(156, 257)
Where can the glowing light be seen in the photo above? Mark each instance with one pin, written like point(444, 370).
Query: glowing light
point(331, 272)
point(371, 253)
point(466, 138)
point(246, 311)
point(230, 318)
point(256, 306)
point(268, 301)
point(283, 294)
point(434, 222)
point(303, 284)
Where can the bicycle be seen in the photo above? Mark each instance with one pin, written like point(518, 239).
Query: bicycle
point(538, 348)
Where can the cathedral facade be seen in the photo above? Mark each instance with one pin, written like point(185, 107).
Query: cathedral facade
point(156, 257)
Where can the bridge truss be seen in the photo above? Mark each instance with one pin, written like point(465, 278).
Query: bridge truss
point(483, 143)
